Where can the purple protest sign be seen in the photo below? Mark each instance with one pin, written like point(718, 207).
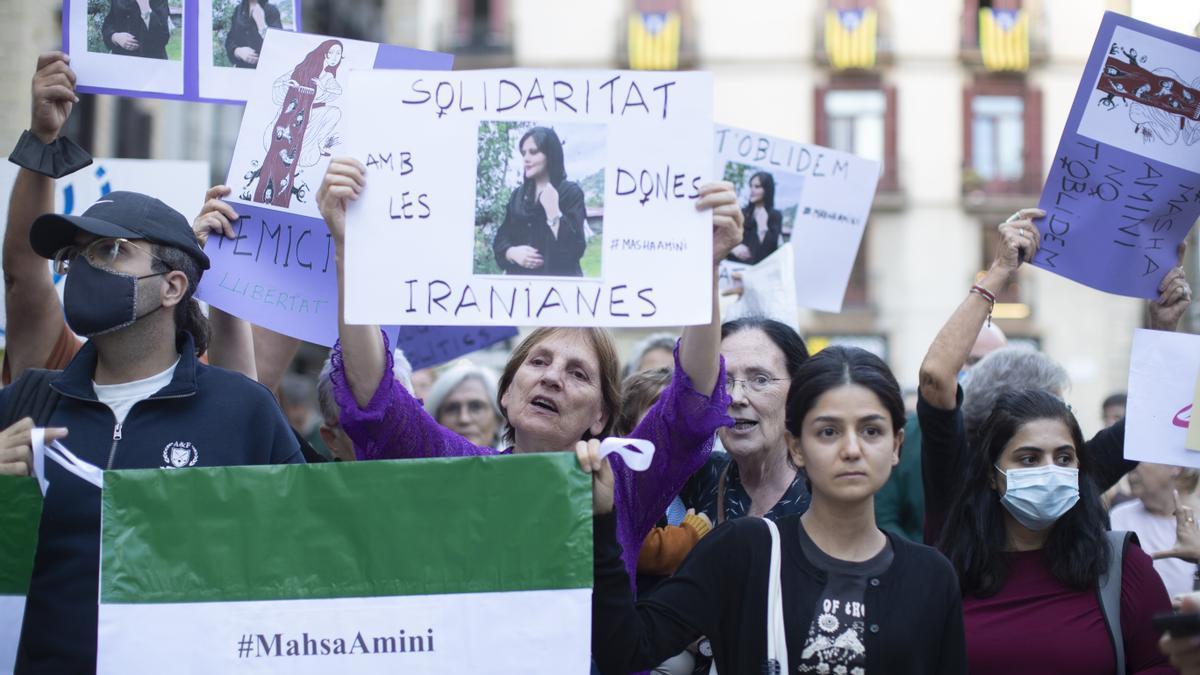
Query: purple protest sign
point(278, 271)
point(427, 346)
point(174, 56)
point(1124, 187)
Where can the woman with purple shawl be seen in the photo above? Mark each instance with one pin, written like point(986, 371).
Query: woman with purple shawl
point(560, 386)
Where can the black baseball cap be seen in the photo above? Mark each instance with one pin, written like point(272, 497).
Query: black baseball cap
point(131, 215)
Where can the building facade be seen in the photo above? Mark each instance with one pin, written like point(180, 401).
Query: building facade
point(961, 100)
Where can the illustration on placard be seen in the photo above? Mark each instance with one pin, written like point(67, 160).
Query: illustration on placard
point(1160, 103)
point(303, 130)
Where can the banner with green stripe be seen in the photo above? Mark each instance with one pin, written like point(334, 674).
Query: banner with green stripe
point(432, 566)
point(20, 514)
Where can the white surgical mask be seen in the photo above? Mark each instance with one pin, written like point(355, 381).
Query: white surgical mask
point(1040, 495)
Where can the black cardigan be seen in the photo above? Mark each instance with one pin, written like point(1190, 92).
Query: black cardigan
point(525, 225)
point(124, 16)
point(915, 622)
point(770, 241)
point(244, 33)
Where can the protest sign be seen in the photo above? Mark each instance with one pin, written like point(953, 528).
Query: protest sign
point(562, 198)
point(20, 514)
point(1124, 186)
point(279, 271)
point(427, 346)
point(1163, 369)
point(1192, 442)
point(180, 184)
point(191, 50)
point(768, 291)
point(349, 568)
point(817, 198)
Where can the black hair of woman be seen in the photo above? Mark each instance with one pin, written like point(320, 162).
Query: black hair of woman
point(837, 366)
point(974, 537)
point(780, 334)
point(547, 141)
point(767, 181)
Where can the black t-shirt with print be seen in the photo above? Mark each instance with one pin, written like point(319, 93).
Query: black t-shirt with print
point(836, 642)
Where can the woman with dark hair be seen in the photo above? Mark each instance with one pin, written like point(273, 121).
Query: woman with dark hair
point(1026, 535)
point(543, 228)
point(823, 592)
point(137, 28)
point(764, 224)
point(754, 475)
point(248, 24)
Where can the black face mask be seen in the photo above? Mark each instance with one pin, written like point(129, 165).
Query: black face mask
point(98, 301)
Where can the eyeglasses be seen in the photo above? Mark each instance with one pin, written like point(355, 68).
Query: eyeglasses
point(755, 383)
point(474, 408)
point(103, 252)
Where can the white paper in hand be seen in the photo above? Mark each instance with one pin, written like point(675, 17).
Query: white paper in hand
point(637, 453)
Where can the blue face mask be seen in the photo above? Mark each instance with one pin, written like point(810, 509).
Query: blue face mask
point(1037, 497)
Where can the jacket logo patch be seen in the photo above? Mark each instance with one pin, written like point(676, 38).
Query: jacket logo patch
point(179, 454)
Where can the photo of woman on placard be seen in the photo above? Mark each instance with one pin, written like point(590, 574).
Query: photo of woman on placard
point(764, 224)
point(137, 28)
point(303, 130)
point(248, 23)
point(543, 232)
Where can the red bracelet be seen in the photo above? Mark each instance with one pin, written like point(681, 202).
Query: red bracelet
point(986, 295)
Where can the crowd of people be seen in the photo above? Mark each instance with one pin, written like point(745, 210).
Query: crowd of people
point(796, 516)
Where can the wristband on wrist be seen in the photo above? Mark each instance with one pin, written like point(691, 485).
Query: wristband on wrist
point(987, 295)
point(60, 157)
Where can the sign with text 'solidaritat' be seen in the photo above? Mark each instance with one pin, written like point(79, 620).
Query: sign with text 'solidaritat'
point(563, 198)
point(1124, 186)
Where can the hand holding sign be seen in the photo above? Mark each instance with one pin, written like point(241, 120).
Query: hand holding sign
point(215, 216)
point(53, 95)
point(727, 218)
point(344, 180)
point(590, 460)
point(1019, 241)
point(1174, 296)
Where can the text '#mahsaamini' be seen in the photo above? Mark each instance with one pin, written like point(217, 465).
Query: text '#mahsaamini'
point(260, 645)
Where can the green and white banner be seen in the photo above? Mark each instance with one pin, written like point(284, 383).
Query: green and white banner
point(471, 565)
point(20, 513)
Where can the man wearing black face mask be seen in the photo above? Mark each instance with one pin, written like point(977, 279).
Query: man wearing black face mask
point(135, 396)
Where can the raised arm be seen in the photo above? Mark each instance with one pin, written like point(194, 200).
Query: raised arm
point(952, 346)
point(231, 346)
point(700, 346)
point(362, 345)
point(33, 313)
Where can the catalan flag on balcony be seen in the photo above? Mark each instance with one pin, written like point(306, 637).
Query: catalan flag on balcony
point(654, 40)
point(1004, 39)
point(850, 37)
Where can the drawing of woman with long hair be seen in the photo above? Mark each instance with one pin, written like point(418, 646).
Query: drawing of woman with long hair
point(304, 128)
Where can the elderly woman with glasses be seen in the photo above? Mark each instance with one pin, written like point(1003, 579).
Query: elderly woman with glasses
point(754, 476)
point(464, 400)
point(560, 385)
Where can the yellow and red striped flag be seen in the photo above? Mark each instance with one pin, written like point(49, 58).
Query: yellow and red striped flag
point(654, 40)
point(1004, 39)
point(850, 38)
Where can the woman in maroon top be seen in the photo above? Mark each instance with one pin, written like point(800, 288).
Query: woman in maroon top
point(1026, 534)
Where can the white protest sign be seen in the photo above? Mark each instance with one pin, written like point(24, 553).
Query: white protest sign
point(180, 184)
point(1163, 368)
point(815, 197)
point(519, 197)
point(767, 291)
